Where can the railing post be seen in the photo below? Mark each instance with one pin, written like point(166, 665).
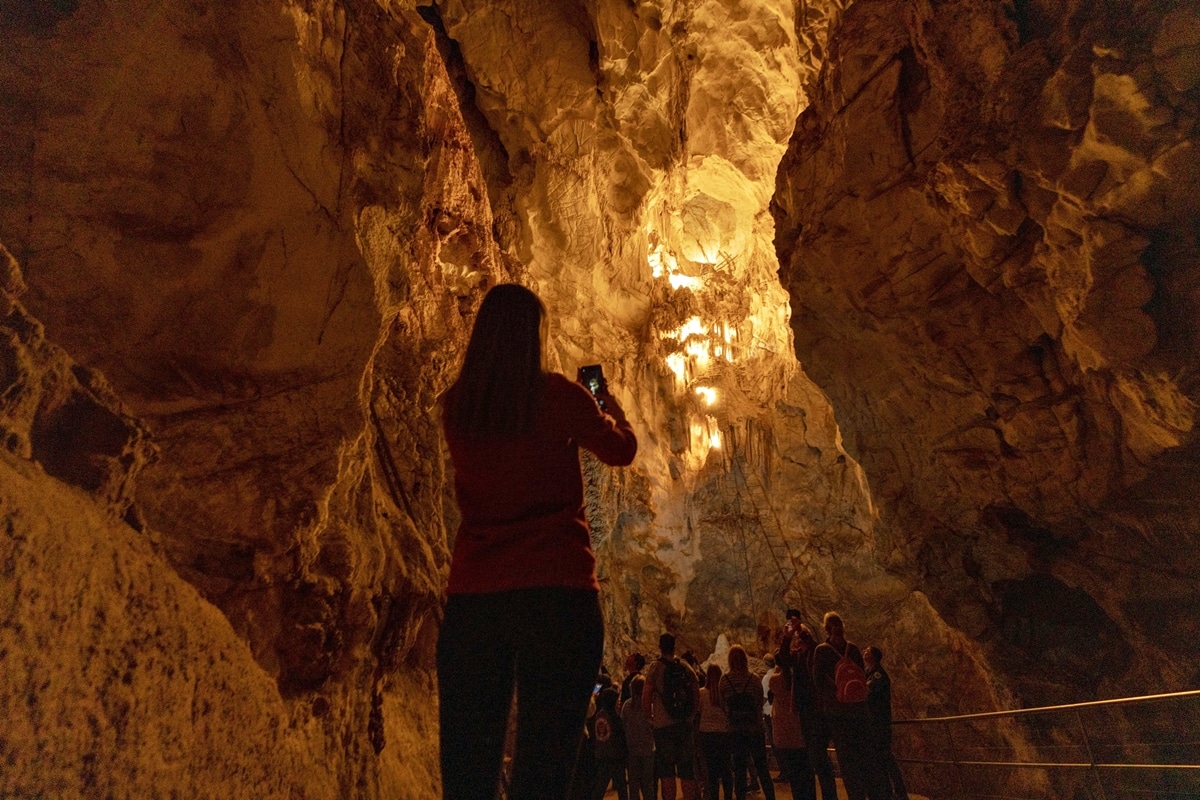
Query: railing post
point(962, 787)
point(1087, 746)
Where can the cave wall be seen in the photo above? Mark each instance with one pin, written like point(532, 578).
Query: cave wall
point(986, 223)
point(255, 236)
point(265, 226)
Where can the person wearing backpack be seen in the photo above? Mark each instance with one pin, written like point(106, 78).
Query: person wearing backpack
point(840, 682)
point(672, 697)
point(742, 694)
point(609, 745)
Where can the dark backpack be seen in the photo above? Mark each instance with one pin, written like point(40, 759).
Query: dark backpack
point(849, 680)
point(744, 708)
point(609, 737)
point(677, 696)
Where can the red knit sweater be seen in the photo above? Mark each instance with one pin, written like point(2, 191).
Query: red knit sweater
point(521, 498)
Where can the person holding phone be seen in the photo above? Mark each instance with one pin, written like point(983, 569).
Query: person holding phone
point(522, 556)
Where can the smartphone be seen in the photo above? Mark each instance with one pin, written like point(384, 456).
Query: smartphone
point(592, 377)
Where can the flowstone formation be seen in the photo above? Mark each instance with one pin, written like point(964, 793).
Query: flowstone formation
point(987, 225)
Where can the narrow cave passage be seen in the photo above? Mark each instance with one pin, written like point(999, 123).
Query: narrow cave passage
point(899, 295)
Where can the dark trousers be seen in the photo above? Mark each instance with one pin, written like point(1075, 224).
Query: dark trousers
point(862, 769)
point(794, 763)
point(750, 747)
point(610, 771)
point(718, 758)
point(547, 642)
point(883, 745)
point(816, 738)
point(642, 784)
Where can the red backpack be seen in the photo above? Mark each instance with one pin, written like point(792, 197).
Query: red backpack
point(850, 680)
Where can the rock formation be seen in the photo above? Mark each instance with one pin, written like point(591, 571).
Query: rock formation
point(987, 226)
point(256, 233)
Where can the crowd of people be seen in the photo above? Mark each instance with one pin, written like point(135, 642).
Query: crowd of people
point(677, 726)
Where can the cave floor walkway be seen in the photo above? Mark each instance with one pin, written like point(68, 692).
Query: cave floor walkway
point(782, 792)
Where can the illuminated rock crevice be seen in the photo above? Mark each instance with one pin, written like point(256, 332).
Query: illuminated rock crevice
point(644, 165)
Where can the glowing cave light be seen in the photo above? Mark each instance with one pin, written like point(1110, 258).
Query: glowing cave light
point(663, 262)
point(677, 363)
point(708, 393)
point(699, 350)
point(714, 440)
point(656, 267)
point(693, 327)
point(684, 282)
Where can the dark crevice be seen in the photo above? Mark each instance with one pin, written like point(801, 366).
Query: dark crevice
point(489, 149)
point(913, 85)
point(35, 16)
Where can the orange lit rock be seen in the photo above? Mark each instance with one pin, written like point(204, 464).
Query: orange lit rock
point(989, 283)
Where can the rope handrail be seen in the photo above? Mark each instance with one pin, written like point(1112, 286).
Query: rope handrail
point(1047, 764)
point(1167, 764)
point(1049, 709)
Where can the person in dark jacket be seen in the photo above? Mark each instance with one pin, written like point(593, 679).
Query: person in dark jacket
point(879, 700)
point(801, 645)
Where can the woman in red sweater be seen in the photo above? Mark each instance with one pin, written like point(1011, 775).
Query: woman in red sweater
point(523, 605)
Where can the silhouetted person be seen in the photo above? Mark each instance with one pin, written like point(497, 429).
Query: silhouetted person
point(674, 735)
point(789, 745)
point(523, 603)
point(609, 746)
point(634, 664)
point(849, 720)
point(742, 694)
point(802, 647)
point(715, 739)
point(879, 700)
point(639, 735)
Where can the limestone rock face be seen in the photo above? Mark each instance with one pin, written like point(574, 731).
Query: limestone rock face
point(986, 224)
point(265, 225)
point(119, 679)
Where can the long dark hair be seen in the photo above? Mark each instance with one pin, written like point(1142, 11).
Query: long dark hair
point(712, 680)
point(500, 387)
